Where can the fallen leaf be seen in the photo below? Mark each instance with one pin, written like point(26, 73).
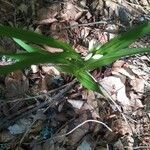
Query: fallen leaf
point(114, 88)
point(76, 103)
point(50, 70)
point(16, 84)
point(5, 136)
point(23, 8)
point(84, 146)
point(138, 85)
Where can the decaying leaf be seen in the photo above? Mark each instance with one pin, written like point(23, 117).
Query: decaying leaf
point(16, 84)
point(113, 87)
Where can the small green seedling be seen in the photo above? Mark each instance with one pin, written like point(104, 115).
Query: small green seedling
point(68, 60)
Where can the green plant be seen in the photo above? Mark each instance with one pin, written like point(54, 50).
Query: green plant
point(69, 61)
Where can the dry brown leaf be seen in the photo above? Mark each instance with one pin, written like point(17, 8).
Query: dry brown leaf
point(87, 143)
point(5, 136)
point(115, 89)
point(47, 13)
point(71, 12)
point(120, 128)
point(48, 78)
point(16, 84)
point(118, 145)
point(52, 49)
point(91, 103)
point(77, 135)
point(85, 32)
point(76, 103)
point(48, 81)
point(118, 64)
point(23, 8)
point(7, 6)
point(136, 104)
point(37, 147)
point(51, 70)
point(138, 85)
point(48, 145)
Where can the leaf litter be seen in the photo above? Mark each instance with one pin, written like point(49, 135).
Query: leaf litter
point(40, 104)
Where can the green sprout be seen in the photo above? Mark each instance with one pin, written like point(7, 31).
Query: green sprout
point(69, 60)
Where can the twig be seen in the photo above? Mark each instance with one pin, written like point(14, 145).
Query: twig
point(52, 102)
point(90, 120)
point(27, 131)
point(139, 147)
point(113, 101)
point(34, 97)
point(96, 121)
point(136, 5)
point(90, 24)
point(86, 24)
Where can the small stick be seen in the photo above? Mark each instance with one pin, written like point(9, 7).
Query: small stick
point(78, 126)
point(34, 97)
point(52, 101)
point(85, 24)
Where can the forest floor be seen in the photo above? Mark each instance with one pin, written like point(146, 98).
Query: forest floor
point(42, 108)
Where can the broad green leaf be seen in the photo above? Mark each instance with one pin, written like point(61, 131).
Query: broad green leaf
point(30, 48)
point(87, 80)
point(83, 76)
point(32, 58)
point(18, 56)
point(27, 47)
point(37, 39)
point(17, 66)
point(109, 58)
point(36, 56)
point(124, 40)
